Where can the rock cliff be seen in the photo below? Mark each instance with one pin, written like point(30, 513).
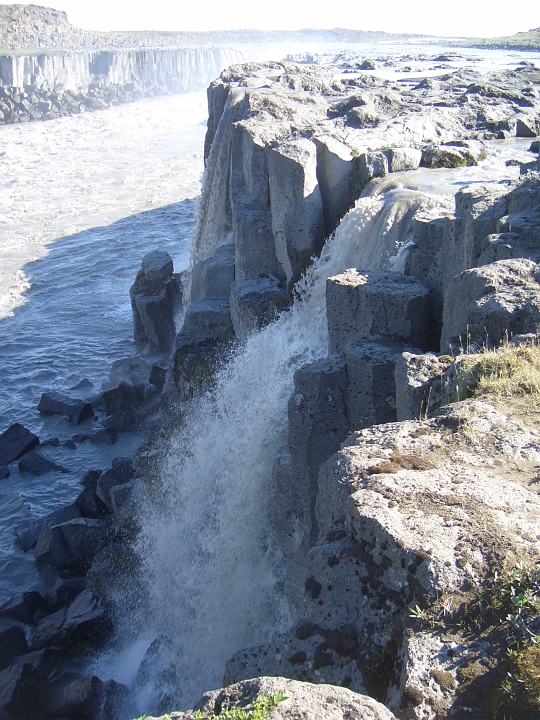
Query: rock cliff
point(407, 512)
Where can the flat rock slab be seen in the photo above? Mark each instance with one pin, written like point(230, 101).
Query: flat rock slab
point(15, 441)
point(36, 464)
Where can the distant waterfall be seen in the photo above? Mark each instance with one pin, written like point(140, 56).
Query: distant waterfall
point(179, 69)
point(210, 560)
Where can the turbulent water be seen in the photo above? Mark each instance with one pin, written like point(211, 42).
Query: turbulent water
point(82, 199)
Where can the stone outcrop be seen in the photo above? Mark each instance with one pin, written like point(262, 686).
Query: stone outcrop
point(156, 301)
point(322, 702)
point(378, 505)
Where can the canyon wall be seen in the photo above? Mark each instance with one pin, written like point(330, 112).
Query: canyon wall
point(48, 85)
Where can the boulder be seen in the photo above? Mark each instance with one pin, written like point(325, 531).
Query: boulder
point(157, 266)
point(94, 103)
point(156, 300)
point(527, 127)
point(21, 692)
point(22, 607)
point(54, 403)
point(64, 591)
point(106, 436)
point(453, 154)
point(301, 700)
point(106, 482)
point(15, 442)
point(488, 304)
point(205, 320)
point(85, 620)
point(30, 530)
point(390, 304)
point(36, 464)
point(71, 545)
point(12, 641)
point(4, 472)
point(371, 165)
point(86, 698)
point(254, 304)
point(211, 279)
point(88, 503)
point(401, 159)
point(420, 384)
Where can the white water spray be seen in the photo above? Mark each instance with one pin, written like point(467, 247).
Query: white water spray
point(211, 560)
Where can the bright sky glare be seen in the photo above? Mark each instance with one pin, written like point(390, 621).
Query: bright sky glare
point(436, 17)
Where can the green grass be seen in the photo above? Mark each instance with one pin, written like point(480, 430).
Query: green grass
point(262, 706)
point(258, 711)
point(509, 370)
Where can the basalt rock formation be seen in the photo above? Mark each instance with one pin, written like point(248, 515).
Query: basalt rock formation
point(378, 508)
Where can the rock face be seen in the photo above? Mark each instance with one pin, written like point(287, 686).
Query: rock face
point(378, 508)
point(406, 511)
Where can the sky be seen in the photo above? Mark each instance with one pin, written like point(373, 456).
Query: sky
point(450, 18)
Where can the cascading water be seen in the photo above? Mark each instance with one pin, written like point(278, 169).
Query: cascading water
point(211, 562)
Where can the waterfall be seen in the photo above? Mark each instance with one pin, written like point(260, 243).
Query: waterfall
point(210, 561)
point(179, 69)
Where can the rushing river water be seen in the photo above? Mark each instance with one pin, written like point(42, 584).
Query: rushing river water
point(82, 199)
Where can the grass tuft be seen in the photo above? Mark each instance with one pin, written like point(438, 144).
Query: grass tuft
point(508, 370)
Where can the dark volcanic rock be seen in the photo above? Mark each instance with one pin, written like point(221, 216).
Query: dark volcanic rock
point(156, 299)
point(12, 641)
point(20, 695)
point(4, 472)
point(22, 607)
point(83, 621)
point(54, 403)
point(36, 464)
point(72, 545)
point(30, 530)
point(15, 442)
